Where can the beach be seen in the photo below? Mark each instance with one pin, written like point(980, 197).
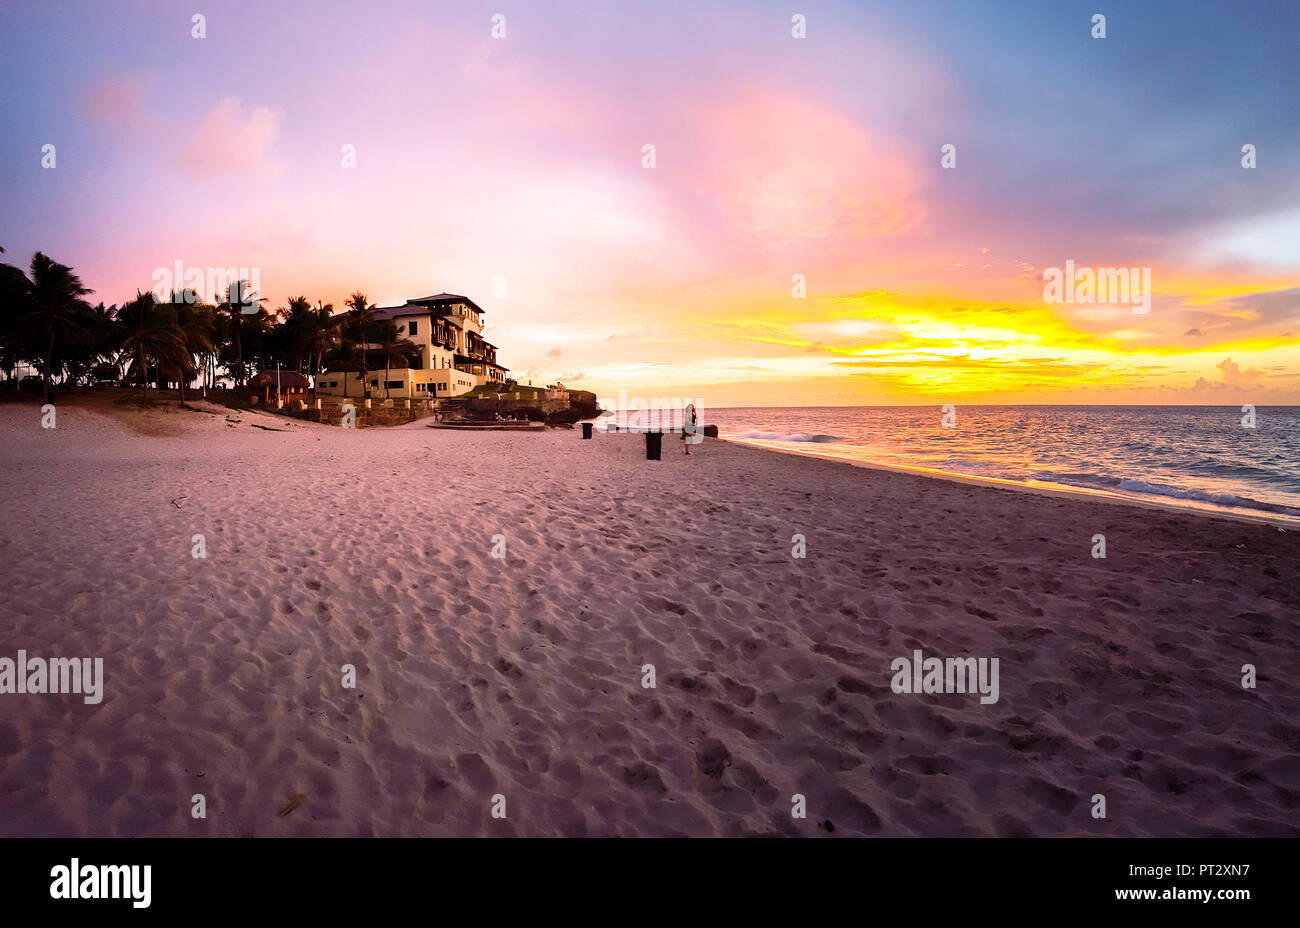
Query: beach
point(523, 676)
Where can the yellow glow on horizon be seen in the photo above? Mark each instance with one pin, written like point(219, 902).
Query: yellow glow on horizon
point(916, 345)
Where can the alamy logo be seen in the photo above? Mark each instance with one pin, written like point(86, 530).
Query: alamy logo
point(77, 881)
point(954, 675)
point(57, 675)
point(188, 283)
point(656, 414)
point(1126, 285)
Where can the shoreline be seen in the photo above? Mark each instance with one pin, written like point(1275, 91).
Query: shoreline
point(1044, 488)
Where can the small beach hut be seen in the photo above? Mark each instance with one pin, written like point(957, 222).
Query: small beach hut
point(284, 385)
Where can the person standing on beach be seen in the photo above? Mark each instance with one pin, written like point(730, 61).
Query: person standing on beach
point(689, 420)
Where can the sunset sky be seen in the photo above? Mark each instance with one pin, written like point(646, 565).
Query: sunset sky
point(774, 156)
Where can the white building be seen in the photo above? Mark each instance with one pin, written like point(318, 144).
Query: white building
point(450, 356)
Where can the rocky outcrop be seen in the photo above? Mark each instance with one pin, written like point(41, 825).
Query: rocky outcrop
point(534, 404)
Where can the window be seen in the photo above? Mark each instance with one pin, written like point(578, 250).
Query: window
point(374, 383)
point(412, 327)
point(394, 385)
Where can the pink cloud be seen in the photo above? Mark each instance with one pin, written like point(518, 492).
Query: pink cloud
point(792, 170)
point(229, 140)
point(116, 101)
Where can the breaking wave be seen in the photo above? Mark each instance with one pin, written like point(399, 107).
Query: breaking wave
point(797, 436)
point(1147, 488)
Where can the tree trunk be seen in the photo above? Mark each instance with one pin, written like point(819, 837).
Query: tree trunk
point(49, 359)
point(239, 356)
point(361, 338)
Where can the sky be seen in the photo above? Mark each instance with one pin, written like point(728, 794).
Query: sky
point(797, 238)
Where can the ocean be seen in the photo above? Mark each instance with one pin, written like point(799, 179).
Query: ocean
point(1195, 456)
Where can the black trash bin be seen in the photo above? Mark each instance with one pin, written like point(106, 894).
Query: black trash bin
point(586, 430)
point(654, 442)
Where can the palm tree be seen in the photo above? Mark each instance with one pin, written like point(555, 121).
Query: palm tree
point(200, 327)
point(388, 337)
point(296, 322)
point(148, 332)
point(56, 303)
point(94, 343)
point(324, 330)
point(105, 334)
point(15, 303)
point(193, 323)
point(361, 318)
point(261, 337)
point(233, 309)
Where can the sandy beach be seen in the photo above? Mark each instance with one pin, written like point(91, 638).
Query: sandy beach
point(522, 676)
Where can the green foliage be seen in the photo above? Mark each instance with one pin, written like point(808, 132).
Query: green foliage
point(47, 324)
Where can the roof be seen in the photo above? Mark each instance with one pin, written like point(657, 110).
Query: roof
point(439, 298)
point(445, 298)
point(383, 313)
point(423, 306)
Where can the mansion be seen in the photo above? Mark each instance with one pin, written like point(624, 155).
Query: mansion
point(442, 353)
